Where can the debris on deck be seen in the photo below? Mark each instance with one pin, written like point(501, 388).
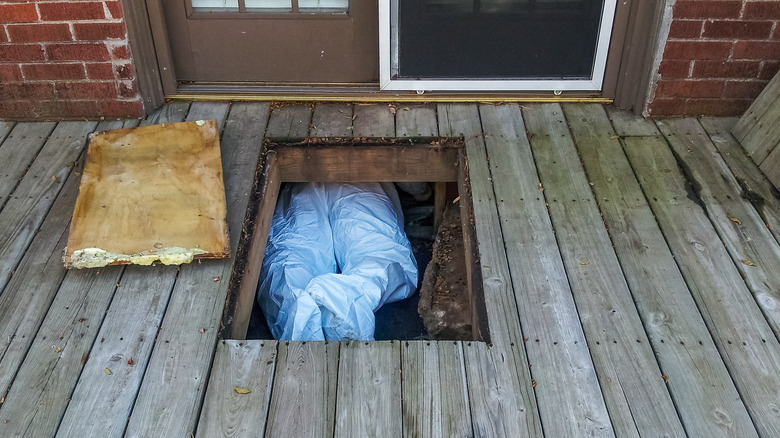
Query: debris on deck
point(148, 194)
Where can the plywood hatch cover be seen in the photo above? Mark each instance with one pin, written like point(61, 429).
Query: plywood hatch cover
point(148, 194)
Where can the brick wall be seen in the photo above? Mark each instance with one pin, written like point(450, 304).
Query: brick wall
point(719, 56)
point(65, 59)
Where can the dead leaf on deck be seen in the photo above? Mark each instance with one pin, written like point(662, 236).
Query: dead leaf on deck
point(456, 200)
point(217, 278)
point(107, 371)
point(130, 361)
point(666, 378)
point(203, 330)
point(533, 383)
point(748, 263)
point(735, 220)
point(57, 349)
point(585, 263)
point(541, 187)
point(241, 390)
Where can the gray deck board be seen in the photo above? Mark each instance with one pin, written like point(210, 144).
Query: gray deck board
point(568, 395)
point(754, 250)
point(435, 396)
point(698, 379)
point(416, 121)
point(228, 410)
point(289, 122)
point(303, 402)
point(607, 311)
point(758, 129)
point(373, 120)
point(370, 403)
point(503, 403)
point(332, 120)
point(26, 140)
point(5, 128)
point(752, 116)
point(743, 337)
point(170, 397)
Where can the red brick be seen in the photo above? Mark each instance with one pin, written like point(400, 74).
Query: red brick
point(690, 50)
point(120, 52)
point(21, 53)
point(727, 69)
point(49, 71)
point(71, 11)
point(666, 107)
point(717, 107)
point(86, 90)
point(769, 70)
point(3, 35)
point(26, 91)
point(737, 29)
point(34, 33)
point(707, 9)
point(685, 29)
point(10, 73)
point(16, 109)
point(765, 10)
point(115, 8)
point(674, 69)
point(759, 50)
point(64, 109)
point(122, 108)
point(22, 13)
point(78, 52)
point(744, 89)
point(103, 70)
point(125, 71)
point(127, 90)
point(687, 88)
point(98, 31)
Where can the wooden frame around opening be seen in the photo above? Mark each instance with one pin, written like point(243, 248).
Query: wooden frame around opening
point(341, 160)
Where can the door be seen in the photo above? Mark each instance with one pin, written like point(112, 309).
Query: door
point(273, 41)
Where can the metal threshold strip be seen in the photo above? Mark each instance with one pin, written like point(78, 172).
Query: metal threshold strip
point(362, 93)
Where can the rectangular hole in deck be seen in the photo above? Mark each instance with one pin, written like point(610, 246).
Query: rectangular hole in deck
point(448, 303)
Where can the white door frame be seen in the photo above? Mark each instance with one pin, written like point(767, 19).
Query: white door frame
point(388, 62)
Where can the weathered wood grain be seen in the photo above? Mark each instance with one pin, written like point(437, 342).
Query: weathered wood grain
point(745, 341)
point(567, 390)
point(21, 148)
point(289, 122)
point(369, 390)
point(755, 186)
point(5, 129)
point(170, 397)
point(435, 397)
point(755, 252)
point(758, 129)
point(771, 167)
point(332, 120)
point(303, 402)
point(238, 366)
point(759, 106)
point(504, 404)
point(698, 379)
point(638, 402)
point(374, 120)
point(418, 120)
point(627, 124)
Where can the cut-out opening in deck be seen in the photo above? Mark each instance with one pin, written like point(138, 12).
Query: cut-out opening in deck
point(441, 162)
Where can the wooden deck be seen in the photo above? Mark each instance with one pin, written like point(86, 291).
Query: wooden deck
point(630, 275)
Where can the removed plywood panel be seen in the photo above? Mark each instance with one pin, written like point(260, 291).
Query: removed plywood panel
point(150, 193)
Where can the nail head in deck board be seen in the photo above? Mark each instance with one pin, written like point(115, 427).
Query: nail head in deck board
point(332, 120)
point(289, 122)
point(758, 120)
point(239, 364)
point(36, 192)
point(722, 198)
point(435, 397)
point(416, 121)
point(723, 298)
point(637, 399)
point(503, 404)
point(700, 383)
point(568, 393)
point(22, 147)
point(303, 400)
point(39, 394)
point(374, 120)
point(170, 396)
point(368, 401)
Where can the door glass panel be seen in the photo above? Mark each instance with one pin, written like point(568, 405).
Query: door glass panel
point(215, 5)
point(272, 6)
point(268, 5)
point(331, 6)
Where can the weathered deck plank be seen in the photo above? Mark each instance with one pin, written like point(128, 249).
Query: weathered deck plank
point(609, 317)
point(416, 121)
point(754, 250)
point(374, 120)
point(303, 402)
point(24, 142)
point(567, 390)
point(5, 129)
point(758, 130)
point(743, 337)
point(239, 389)
point(368, 401)
point(332, 120)
point(757, 109)
point(435, 397)
point(503, 404)
point(289, 122)
point(170, 397)
point(698, 379)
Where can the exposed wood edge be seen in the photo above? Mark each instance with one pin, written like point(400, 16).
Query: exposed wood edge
point(750, 118)
point(479, 321)
point(246, 271)
point(439, 203)
point(141, 41)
